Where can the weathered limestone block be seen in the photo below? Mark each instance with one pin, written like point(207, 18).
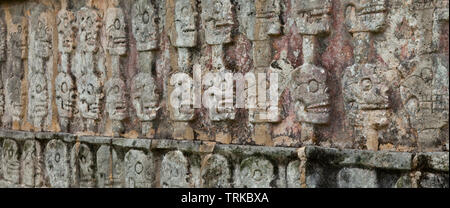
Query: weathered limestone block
point(143, 88)
point(145, 29)
point(116, 105)
point(215, 172)
point(217, 18)
point(174, 171)
point(110, 169)
point(3, 33)
point(32, 170)
point(57, 164)
point(139, 169)
point(256, 172)
point(308, 87)
point(357, 178)
point(11, 161)
point(293, 174)
point(90, 68)
point(359, 74)
point(366, 87)
point(145, 99)
point(82, 166)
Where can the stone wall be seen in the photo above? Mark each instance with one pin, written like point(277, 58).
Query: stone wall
point(95, 82)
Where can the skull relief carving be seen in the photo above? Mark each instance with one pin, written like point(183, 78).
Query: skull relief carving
point(218, 21)
point(185, 23)
point(82, 162)
point(65, 95)
point(19, 38)
point(313, 17)
point(90, 93)
point(38, 98)
point(66, 33)
point(116, 105)
point(310, 94)
point(139, 169)
point(145, 97)
point(256, 173)
point(43, 37)
point(11, 163)
point(215, 172)
point(116, 30)
point(365, 15)
point(89, 23)
point(174, 170)
point(144, 25)
point(56, 163)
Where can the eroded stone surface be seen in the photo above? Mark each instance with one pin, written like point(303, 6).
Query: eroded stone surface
point(174, 171)
point(57, 164)
point(256, 173)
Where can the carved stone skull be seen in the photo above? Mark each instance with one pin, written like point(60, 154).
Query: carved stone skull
point(310, 94)
point(183, 96)
point(90, 23)
point(219, 97)
point(65, 95)
point(256, 173)
point(19, 38)
point(145, 97)
point(365, 15)
point(116, 104)
point(10, 163)
point(38, 95)
point(14, 98)
point(90, 93)
point(369, 87)
point(268, 18)
point(144, 25)
point(185, 18)
point(83, 160)
point(174, 170)
point(116, 34)
point(313, 17)
point(217, 16)
point(56, 164)
point(139, 169)
point(66, 25)
point(43, 37)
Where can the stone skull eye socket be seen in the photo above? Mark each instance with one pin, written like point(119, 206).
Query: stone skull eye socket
point(57, 157)
point(38, 88)
point(313, 86)
point(64, 87)
point(117, 24)
point(366, 84)
point(145, 17)
point(138, 167)
point(90, 89)
point(185, 11)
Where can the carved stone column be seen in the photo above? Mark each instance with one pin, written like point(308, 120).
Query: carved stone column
point(144, 94)
point(308, 84)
